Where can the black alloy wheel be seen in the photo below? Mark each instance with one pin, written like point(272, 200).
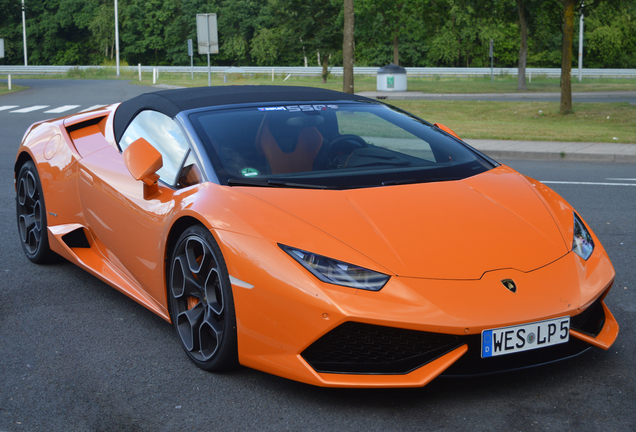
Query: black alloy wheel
point(31, 215)
point(201, 301)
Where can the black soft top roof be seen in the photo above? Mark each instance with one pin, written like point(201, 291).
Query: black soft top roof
point(172, 102)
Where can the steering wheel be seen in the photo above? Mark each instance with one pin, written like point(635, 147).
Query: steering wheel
point(344, 144)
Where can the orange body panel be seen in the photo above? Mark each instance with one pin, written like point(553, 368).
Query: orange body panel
point(445, 266)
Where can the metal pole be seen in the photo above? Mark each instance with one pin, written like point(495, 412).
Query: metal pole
point(492, 54)
point(192, 67)
point(581, 45)
point(117, 37)
point(209, 71)
point(24, 35)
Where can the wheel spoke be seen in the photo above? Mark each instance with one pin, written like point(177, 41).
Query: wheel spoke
point(31, 189)
point(199, 258)
point(22, 192)
point(26, 224)
point(34, 239)
point(196, 253)
point(210, 334)
point(183, 283)
point(213, 292)
point(189, 326)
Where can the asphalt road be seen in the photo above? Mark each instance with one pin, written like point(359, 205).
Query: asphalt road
point(77, 355)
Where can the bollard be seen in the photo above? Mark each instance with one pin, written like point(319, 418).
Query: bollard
point(139, 68)
point(272, 74)
point(9, 81)
point(154, 75)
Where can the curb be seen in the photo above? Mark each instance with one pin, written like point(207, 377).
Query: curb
point(548, 156)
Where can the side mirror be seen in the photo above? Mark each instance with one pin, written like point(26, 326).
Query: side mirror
point(446, 129)
point(143, 161)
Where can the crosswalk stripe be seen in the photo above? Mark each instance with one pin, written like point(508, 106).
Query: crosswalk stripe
point(6, 107)
point(31, 108)
point(92, 108)
point(62, 109)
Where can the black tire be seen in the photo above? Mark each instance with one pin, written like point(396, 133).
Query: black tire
point(201, 301)
point(31, 215)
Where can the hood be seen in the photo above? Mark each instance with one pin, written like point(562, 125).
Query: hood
point(446, 230)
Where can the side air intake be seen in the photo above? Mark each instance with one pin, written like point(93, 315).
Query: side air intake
point(76, 239)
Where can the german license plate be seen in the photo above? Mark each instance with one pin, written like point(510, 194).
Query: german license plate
point(524, 337)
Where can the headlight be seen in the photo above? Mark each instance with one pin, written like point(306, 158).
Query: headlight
point(337, 272)
point(582, 243)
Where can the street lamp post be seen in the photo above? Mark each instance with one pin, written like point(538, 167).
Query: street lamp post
point(116, 37)
point(581, 44)
point(24, 34)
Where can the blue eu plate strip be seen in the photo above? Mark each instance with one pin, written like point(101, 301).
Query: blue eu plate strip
point(486, 344)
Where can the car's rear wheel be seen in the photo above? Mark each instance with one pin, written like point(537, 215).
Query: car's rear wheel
point(31, 215)
point(201, 301)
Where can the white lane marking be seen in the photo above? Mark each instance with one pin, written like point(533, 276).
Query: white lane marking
point(622, 179)
point(92, 108)
point(31, 108)
point(588, 183)
point(6, 107)
point(62, 109)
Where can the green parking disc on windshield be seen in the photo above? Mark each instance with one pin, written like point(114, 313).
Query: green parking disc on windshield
point(249, 172)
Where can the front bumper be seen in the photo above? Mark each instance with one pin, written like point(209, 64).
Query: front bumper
point(286, 314)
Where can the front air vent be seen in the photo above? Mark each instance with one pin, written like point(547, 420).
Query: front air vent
point(590, 321)
point(358, 348)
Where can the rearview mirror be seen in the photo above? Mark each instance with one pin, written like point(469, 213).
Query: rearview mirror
point(143, 161)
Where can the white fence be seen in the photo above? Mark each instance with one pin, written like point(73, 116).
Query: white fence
point(299, 70)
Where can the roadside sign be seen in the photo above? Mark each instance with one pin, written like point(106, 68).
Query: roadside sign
point(207, 36)
point(190, 53)
point(1, 48)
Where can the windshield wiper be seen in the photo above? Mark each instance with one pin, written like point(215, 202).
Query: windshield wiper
point(401, 181)
point(422, 180)
point(274, 183)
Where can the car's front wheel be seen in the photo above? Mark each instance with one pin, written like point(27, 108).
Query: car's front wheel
point(201, 301)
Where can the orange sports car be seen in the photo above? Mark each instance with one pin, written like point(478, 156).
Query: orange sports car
point(316, 235)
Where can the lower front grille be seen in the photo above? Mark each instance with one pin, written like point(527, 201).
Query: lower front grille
point(590, 321)
point(359, 348)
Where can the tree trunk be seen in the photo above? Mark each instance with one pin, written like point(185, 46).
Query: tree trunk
point(325, 68)
point(523, 49)
point(347, 48)
point(566, 57)
point(396, 50)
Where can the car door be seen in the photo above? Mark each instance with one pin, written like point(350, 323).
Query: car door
point(129, 230)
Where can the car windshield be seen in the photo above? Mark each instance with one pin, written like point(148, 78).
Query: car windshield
point(330, 145)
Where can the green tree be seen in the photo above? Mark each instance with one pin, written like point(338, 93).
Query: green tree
point(11, 32)
point(316, 24)
point(610, 35)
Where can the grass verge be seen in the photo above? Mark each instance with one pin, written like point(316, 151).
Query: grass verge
point(4, 89)
point(532, 121)
point(435, 84)
point(431, 84)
